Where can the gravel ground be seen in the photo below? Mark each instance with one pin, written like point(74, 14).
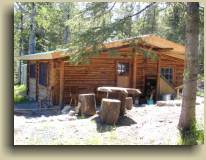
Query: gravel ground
point(148, 125)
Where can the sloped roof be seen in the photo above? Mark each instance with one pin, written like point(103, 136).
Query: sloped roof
point(175, 50)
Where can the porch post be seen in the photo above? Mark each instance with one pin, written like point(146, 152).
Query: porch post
point(27, 78)
point(134, 69)
point(158, 78)
point(61, 96)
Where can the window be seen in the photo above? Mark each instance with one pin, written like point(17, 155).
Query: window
point(123, 69)
point(32, 69)
point(43, 74)
point(167, 73)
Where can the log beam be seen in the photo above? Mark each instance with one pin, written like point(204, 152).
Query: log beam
point(134, 69)
point(61, 96)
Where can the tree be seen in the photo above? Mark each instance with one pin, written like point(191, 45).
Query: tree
point(187, 117)
point(97, 30)
point(32, 42)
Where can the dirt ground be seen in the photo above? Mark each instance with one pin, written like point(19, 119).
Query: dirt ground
point(143, 125)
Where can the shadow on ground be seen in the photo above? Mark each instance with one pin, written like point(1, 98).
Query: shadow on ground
point(122, 121)
point(30, 110)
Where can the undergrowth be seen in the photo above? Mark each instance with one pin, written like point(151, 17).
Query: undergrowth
point(20, 94)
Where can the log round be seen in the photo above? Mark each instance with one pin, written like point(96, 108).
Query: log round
point(122, 97)
point(87, 104)
point(110, 109)
point(129, 103)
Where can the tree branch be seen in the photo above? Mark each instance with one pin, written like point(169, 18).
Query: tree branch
point(151, 4)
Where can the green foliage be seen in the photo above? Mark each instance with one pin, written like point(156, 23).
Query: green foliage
point(201, 94)
point(20, 94)
point(83, 27)
point(193, 136)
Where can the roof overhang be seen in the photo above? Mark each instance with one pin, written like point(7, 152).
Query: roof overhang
point(45, 55)
point(152, 42)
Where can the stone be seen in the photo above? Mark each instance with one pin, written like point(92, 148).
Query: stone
point(66, 109)
point(71, 113)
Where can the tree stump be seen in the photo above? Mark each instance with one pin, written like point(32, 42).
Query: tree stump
point(110, 109)
point(86, 104)
point(129, 103)
point(122, 97)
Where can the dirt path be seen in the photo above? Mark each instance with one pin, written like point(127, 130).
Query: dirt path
point(142, 125)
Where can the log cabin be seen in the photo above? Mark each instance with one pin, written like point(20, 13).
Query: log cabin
point(51, 75)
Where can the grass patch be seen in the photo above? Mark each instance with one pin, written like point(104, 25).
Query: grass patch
point(200, 76)
point(20, 94)
point(193, 136)
point(201, 94)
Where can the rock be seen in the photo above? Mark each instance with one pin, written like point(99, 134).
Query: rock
point(160, 103)
point(71, 113)
point(143, 105)
point(72, 118)
point(165, 103)
point(66, 109)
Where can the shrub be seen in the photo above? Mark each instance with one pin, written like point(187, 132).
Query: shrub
point(20, 94)
point(193, 136)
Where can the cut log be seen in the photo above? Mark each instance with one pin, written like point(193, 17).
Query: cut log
point(87, 104)
point(110, 109)
point(129, 103)
point(122, 97)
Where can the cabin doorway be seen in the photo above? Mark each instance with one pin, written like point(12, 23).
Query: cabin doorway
point(150, 87)
point(123, 73)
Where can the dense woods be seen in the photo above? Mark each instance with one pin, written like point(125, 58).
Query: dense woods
point(40, 27)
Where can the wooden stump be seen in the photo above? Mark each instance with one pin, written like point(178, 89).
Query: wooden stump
point(122, 97)
point(110, 109)
point(129, 103)
point(87, 104)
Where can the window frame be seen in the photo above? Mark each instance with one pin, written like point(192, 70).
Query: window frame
point(167, 73)
point(123, 71)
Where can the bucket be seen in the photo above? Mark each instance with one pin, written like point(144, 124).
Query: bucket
point(166, 97)
point(150, 101)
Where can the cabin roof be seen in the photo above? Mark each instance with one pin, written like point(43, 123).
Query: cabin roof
point(154, 42)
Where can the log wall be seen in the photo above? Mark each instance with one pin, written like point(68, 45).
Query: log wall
point(178, 68)
point(101, 71)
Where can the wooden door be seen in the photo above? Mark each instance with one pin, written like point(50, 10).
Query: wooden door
point(123, 73)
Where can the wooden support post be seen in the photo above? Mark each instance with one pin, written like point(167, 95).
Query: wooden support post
point(158, 78)
point(37, 80)
point(143, 73)
point(27, 77)
point(134, 69)
point(61, 97)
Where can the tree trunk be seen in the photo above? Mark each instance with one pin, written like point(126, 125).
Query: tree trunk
point(66, 35)
point(110, 109)
point(87, 104)
point(20, 43)
point(32, 43)
point(187, 117)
